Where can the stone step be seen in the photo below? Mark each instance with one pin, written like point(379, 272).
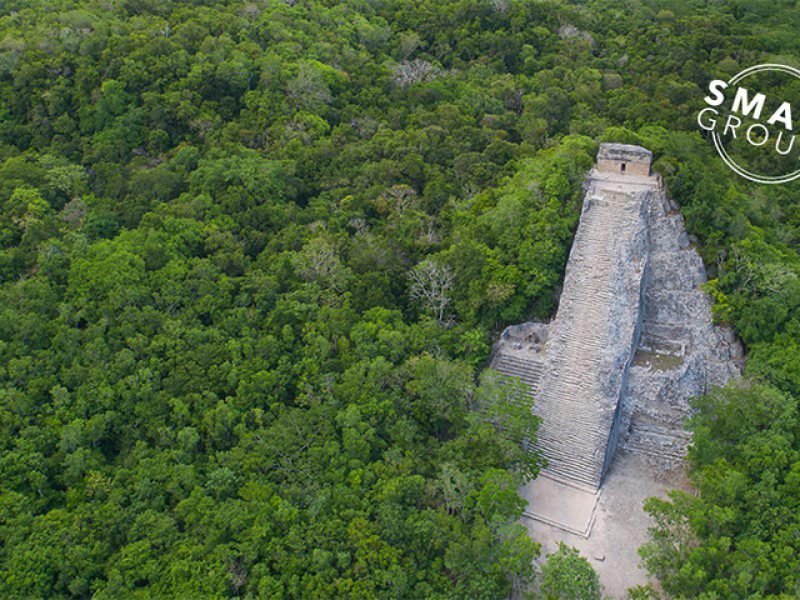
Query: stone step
point(510, 359)
point(575, 476)
point(514, 368)
point(578, 429)
point(528, 371)
point(556, 460)
point(575, 447)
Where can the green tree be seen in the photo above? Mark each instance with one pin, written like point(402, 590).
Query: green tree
point(568, 575)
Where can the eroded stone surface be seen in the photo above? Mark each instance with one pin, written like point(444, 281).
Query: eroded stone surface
point(681, 352)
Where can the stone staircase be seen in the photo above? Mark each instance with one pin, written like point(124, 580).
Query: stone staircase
point(575, 399)
point(571, 430)
point(528, 370)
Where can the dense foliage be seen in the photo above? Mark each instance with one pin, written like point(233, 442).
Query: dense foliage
point(568, 576)
point(252, 255)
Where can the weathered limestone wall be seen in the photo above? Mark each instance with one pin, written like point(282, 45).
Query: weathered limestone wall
point(631, 168)
point(681, 352)
point(632, 340)
point(624, 159)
